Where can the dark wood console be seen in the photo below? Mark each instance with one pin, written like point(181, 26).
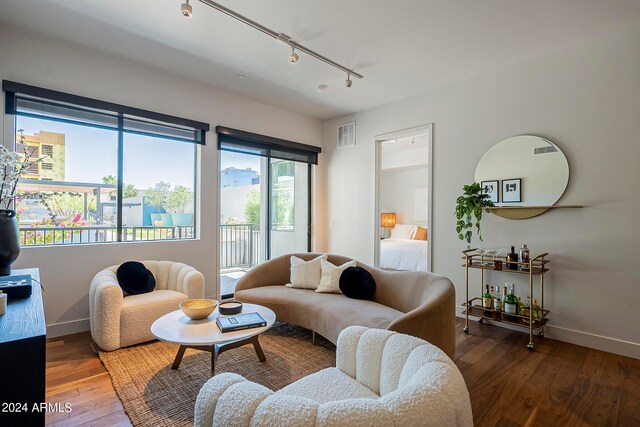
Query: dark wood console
point(22, 358)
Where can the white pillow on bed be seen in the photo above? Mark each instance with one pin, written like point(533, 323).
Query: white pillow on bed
point(403, 231)
point(306, 274)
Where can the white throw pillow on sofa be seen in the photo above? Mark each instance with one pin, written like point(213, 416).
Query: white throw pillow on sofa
point(330, 281)
point(306, 274)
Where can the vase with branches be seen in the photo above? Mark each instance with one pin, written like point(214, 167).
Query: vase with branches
point(13, 164)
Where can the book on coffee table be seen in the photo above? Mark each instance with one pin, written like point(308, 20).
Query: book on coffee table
point(239, 322)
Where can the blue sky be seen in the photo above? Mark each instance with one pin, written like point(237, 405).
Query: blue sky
point(91, 154)
point(239, 161)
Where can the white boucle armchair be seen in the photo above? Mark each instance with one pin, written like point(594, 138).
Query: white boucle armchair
point(118, 321)
point(381, 378)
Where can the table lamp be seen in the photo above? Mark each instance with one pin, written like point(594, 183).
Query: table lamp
point(388, 220)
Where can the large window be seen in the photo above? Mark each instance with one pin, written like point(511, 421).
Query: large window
point(107, 173)
point(161, 174)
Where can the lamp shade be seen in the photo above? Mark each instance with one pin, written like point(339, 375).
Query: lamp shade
point(388, 220)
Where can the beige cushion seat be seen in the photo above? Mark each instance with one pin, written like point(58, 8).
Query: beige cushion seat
point(315, 387)
point(140, 311)
point(328, 314)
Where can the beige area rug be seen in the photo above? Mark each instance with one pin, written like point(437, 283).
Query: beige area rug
point(154, 395)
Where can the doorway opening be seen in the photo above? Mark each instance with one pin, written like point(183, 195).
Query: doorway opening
point(403, 188)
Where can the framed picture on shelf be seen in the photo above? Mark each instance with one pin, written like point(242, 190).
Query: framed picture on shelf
point(512, 190)
point(491, 188)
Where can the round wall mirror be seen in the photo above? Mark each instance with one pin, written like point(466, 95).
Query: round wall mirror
point(523, 171)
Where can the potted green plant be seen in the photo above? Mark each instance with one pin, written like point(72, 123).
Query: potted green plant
point(176, 202)
point(469, 206)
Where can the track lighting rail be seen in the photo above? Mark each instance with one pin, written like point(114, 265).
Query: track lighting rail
point(279, 36)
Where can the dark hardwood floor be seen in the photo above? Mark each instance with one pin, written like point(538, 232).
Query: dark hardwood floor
point(558, 384)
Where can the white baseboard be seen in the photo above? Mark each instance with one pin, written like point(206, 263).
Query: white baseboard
point(55, 330)
point(599, 342)
point(586, 339)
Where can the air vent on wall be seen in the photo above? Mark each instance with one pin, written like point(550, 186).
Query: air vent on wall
point(347, 135)
point(542, 150)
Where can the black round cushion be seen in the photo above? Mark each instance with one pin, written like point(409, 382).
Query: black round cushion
point(358, 283)
point(134, 278)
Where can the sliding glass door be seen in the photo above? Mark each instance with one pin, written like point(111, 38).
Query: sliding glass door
point(289, 205)
point(264, 212)
point(265, 201)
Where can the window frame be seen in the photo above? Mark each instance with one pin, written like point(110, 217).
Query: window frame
point(15, 91)
point(48, 148)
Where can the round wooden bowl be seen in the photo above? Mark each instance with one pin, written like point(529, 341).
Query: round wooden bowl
point(197, 309)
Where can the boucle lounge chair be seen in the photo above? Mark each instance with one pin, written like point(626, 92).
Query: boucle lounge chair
point(119, 321)
point(381, 378)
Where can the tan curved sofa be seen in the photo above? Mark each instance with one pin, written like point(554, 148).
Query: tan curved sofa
point(410, 302)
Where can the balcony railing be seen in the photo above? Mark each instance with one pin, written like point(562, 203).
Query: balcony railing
point(239, 245)
point(58, 236)
point(159, 233)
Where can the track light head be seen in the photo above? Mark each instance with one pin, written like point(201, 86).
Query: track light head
point(293, 58)
point(348, 82)
point(186, 10)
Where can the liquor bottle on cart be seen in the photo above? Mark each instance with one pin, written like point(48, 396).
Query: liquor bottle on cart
point(511, 304)
point(512, 259)
point(487, 299)
point(524, 257)
point(497, 304)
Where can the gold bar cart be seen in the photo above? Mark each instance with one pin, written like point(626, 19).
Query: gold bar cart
point(473, 307)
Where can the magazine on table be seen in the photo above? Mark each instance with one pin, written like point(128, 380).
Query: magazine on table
point(239, 322)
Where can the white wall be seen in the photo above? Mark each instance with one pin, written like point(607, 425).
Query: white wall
point(586, 99)
point(397, 192)
point(404, 158)
point(233, 200)
point(67, 271)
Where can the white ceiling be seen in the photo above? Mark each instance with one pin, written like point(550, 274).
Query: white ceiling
point(403, 48)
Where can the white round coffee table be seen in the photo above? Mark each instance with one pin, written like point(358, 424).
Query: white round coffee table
point(205, 335)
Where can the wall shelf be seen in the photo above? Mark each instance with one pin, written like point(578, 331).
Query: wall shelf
point(523, 212)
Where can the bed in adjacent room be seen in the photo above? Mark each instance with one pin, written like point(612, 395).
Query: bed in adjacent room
point(406, 249)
